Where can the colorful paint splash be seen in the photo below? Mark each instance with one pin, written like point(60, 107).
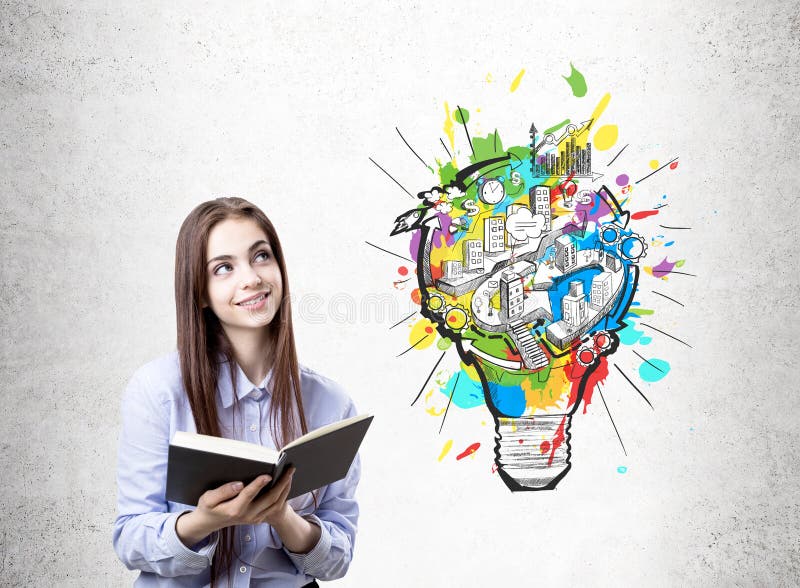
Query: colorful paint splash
point(527, 267)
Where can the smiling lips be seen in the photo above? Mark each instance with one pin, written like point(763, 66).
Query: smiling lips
point(255, 299)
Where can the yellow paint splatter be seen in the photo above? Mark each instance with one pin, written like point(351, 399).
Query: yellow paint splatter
point(583, 138)
point(422, 334)
point(605, 137)
point(433, 410)
point(555, 392)
point(600, 108)
point(489, 78)
point(653, 163)
point(446, 449)
point(517, 80)
point(449, 128)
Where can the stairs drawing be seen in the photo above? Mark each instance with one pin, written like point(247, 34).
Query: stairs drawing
point(532, 355)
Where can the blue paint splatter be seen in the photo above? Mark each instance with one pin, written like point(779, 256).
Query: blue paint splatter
point(622, 469)
point(468, 394)
point(653, 370)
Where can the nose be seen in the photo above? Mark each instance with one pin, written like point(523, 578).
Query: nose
point(250, 278)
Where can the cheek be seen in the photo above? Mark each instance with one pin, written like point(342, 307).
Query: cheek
point(216, 295)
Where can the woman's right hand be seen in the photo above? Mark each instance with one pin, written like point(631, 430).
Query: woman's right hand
point(231, 504)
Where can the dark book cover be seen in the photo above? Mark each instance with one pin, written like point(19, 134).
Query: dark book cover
point(320, 458)
point(191, 472)
point(325, 459)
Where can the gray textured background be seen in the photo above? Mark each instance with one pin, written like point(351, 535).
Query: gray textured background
point(115, 120)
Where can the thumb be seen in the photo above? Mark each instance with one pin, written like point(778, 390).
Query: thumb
point(223, 493)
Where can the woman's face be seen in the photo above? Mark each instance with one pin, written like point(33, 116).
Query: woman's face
point(241, 268)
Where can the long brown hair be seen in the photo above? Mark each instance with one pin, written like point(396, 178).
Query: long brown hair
point(201, 339)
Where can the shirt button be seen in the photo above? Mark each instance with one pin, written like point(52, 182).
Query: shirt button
point(253, 428)
point(243, 569)
point(247, 537)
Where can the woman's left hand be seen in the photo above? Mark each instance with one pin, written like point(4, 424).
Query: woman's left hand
point(298, 534)
point(273, 508)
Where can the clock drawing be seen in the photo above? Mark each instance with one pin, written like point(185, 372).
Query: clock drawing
point(492, 191)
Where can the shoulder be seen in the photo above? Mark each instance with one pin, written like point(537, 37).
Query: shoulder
point(158, 381)
point(324, 398)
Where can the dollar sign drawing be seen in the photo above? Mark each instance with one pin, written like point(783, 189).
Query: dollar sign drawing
point(516, 178)
point(470, 207)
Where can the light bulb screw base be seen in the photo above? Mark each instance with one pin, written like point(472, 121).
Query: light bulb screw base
point(533, 452)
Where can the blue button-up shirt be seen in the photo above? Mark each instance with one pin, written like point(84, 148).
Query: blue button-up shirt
point(154, 407)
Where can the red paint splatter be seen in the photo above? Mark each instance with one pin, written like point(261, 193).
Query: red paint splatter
point(494, 468)
point(587, 356)
point(428, 330)
point(415, 296)
point(557, 441)
point(673, 165)
point(544, 447)
point(643, 214)
point(403, 271)
point(520, 441)
point(468, 451)
point(597, 376)
point(452, 318)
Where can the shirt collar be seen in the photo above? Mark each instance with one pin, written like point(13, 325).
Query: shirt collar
point(243, 384)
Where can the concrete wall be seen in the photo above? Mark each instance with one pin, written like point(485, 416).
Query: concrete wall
point(117, 118)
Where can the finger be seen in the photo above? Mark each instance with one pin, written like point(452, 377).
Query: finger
point(277, 504)
point(250, 491)
point(225, 492)
point(274, 493)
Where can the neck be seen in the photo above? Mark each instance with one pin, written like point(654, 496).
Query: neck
point(253, 349)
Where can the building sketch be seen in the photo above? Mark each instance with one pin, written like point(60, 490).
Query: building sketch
point(493, 234)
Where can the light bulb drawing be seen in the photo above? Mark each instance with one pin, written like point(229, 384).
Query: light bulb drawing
point(530, 284)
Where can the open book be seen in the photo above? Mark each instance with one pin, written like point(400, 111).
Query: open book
point(198, 463)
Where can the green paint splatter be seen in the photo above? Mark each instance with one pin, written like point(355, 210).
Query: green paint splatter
point(653, 370)
point(447, 172)
point(444, 343)
point(553, 129)
point(576, 81)
point(488, 148)
point(461, 115)
point(640, 311)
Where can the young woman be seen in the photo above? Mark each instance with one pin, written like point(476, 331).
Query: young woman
point(235, 374)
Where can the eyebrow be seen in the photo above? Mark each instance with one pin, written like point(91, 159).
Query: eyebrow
point(255, 245)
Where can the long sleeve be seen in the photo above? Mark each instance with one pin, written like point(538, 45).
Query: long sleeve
point(337, 516)
point(144, 530)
